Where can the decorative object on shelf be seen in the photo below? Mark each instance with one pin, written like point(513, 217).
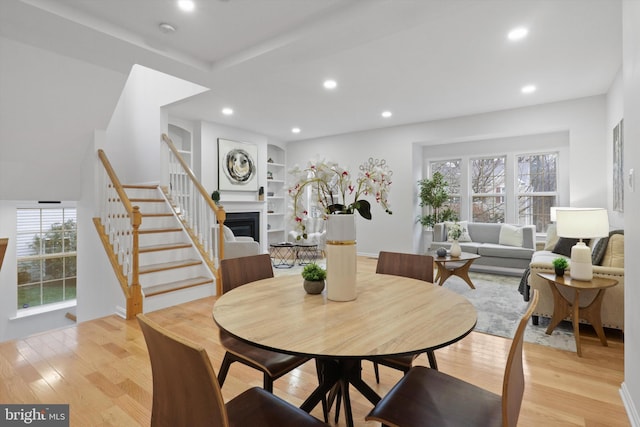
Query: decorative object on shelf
point(582, 223)
point(441, 252)
point(560, 265)
point(341, 257)
point(237, 168)
point(434, 195)
point(269, 175)
point(314, 278)
point(270, 160)
point(261, 193)
point(215, 196)
point(270, 193)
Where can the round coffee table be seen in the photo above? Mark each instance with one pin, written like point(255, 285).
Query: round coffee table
point(453, 266)
point(283, 255)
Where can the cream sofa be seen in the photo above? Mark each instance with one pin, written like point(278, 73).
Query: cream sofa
point(611, 266)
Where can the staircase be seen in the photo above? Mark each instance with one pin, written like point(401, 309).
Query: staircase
point(171, 270)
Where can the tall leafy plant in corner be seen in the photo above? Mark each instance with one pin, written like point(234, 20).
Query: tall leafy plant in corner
point(435, 196)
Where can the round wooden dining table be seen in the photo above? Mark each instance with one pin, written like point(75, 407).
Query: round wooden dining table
point(391, 316)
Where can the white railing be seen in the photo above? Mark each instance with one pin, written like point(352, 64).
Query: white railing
point(201, 217)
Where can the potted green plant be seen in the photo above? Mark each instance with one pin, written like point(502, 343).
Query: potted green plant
point(314, 277)
point(215, 196)
point(434, 195)
point(560, 265)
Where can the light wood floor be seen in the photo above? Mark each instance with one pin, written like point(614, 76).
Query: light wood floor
point(101, 368)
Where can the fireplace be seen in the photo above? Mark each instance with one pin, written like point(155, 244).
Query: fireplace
point(244, 224)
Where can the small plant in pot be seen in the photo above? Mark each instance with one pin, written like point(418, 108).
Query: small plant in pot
point(215, 196)
point(560, 265)
point(314, 277)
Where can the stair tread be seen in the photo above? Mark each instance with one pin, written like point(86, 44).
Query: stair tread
point(151, 268)
point(140, 187)
point(159, 230)
point(164, 247)
point(177, 285)
point(146, 199)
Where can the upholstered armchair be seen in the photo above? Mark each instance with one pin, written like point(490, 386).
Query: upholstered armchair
point(238, 246)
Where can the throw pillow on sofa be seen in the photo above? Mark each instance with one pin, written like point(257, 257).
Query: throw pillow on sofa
point(564, 245)
point(614, 255)
point(464, 237)
point(510, 235)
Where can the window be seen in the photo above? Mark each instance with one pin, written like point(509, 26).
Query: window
point(46, 255)
point(488, 189)
point(450, 170)
point(537, 188)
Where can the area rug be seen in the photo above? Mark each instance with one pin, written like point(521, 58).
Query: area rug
point(500, 306)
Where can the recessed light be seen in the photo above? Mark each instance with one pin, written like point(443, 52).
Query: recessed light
point(517, 33)
point(227, 111)
point(167, 28)
point(186, 5)
point(528, 89)
point(295, 130)
point(386, 114)
point(330, 84)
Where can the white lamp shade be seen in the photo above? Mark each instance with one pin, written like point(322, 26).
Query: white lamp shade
point(582, 223)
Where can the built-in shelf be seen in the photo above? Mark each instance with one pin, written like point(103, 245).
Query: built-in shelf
point(276, 186)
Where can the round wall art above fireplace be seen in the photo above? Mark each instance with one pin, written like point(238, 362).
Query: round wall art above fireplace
point(240, 166)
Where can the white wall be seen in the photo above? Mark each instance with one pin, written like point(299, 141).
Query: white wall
point(583, 119)
point(49, 106)
point(206, 137)
point(133, 142)
point(615, 113)
point(631, 77)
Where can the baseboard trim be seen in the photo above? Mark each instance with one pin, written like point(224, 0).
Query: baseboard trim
point(632, 411)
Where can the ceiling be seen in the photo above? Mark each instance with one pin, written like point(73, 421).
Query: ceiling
point(267, 59)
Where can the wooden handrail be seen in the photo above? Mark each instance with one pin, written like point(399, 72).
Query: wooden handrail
point(192, 177)
point(115, 181)
point(133, 290)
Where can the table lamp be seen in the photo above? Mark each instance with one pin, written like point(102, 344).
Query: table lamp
point(582, 223)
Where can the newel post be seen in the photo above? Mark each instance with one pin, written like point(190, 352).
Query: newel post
point(134, 302)
point(221, 215)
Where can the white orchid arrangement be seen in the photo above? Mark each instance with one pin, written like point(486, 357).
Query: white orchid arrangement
point(332, 187)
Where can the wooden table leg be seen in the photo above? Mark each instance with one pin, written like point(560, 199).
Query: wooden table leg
point(592, 314)
point(561, 308)
point(576, 320)
point(463, 272)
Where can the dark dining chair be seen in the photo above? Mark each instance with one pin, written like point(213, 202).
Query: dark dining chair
point(406, 265)
point(237, 272)
point(186, 391)
point(428, 397)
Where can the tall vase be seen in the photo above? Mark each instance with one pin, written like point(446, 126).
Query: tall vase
point(455, 251)
point(341, 257)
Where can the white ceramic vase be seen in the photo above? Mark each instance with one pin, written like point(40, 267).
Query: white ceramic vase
point(455, 251)
point(341, 257)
